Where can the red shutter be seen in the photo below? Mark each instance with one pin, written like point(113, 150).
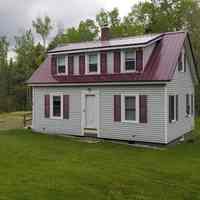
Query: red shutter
point(139, 60)
point(117, 108)
point(66, 106)
point(117, 61)
point(46, 106)
point(70, 65)
point(53, 65)
point(143, 108)
point(103, 62)
point(82, 64)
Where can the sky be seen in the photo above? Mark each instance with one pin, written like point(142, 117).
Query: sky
point(16, 15)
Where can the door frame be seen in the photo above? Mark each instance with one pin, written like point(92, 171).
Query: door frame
point(83, 111)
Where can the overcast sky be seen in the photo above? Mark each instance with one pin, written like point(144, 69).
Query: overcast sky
point(16, 15)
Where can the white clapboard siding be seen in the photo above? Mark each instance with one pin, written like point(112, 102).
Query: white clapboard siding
point(153, 131)
point(181, 84)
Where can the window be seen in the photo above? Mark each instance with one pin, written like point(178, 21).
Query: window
point(93, 63)
point(187, 104)
point(173, 108)
point(56, 106)
point(130, 113)
point(130, 108)
point(182, 61)
point(130, 60)
point(61, 69)
point(192, 104)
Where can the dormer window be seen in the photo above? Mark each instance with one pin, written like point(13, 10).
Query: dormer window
point(61, 68)
point(130, 59)
point(93, 63)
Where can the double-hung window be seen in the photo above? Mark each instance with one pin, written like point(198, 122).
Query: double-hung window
point(182, 61)
point(130, 108)
point(189, 103)
point(173, 108)
point(187, 99)
point(93, 63)
point(56, 106)
point(130, 60)
point(61, 66)
point(192, 104)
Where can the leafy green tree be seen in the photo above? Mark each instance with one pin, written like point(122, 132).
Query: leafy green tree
point(43, 28)
point(3, 50)
point(86, 31)
point(4, 75)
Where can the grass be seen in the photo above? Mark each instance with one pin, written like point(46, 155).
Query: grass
point(36, 166)
point(11, 120)
point(43, 167)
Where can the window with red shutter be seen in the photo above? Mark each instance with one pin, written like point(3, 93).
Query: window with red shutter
point(117, 61)
point(66, 106)
point(139, 60)
point(47, 106)
point(117, 108)
point(53, 65)
point(70, 65)
point(103, 60)
point(82, 64)
point(143, 108)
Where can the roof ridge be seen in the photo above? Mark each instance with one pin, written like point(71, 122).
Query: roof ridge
point(174, 32)
point(111, 39)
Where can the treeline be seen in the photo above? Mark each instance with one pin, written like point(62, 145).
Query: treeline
point(145, 17)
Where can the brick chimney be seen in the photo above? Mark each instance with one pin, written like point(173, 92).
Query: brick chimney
point(105, 33)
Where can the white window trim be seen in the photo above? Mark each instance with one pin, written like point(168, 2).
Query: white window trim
point(123, 60)
point(87, 63)
point(51, 105)
point(123, 107)
point(66, 66)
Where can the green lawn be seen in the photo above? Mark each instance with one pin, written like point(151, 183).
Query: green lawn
point(43, 167)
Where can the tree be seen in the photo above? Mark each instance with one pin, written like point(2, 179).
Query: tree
point(119, 27)
point(4, 75)
point(86, 31)
point(43, 27)
point(3, 51)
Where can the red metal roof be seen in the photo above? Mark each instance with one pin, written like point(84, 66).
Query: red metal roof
point(160, 67)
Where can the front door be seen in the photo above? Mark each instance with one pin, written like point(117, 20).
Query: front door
point(91, 112)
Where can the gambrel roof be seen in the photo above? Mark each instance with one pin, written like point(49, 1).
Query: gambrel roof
point(160, 66)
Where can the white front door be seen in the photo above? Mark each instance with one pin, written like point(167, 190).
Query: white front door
point(91, 111)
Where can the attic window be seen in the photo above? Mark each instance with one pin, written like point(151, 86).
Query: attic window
point(130, 60)
point(182, 61)
point(61, 69)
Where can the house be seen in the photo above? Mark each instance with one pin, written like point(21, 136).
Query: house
point(134, 88)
